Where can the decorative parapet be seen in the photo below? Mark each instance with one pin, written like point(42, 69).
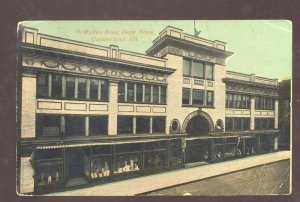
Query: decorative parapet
point(251, 78)
point(31, 36)
point(178, 33)
point(173, 41)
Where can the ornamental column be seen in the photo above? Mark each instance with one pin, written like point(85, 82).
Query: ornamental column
point(113, 108)
point(252, 113)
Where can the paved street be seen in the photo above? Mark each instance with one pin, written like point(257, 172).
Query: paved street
point(263, 174)
point(262, 180)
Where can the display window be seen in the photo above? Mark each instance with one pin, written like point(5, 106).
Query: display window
point(175, 152)
point(155, 154)
point(218, 149)
point(250, 146)
point(100, 162)
point(266, 143)
point(231, 148)
point(48, 167)
point(127, 158)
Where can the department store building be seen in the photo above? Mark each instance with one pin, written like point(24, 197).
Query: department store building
point(89, 114)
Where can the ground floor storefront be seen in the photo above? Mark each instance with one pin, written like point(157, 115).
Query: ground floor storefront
point(58, 167)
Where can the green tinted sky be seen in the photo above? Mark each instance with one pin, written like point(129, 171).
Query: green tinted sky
point(262, 47)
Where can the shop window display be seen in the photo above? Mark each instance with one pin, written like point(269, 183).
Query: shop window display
point(155, 154)
point(100, 164)
point(175, 152)
point(48, 167)
point(266, 144)
point(127, 158)
point(218, 149)
point(232, 150)
point(250, 146)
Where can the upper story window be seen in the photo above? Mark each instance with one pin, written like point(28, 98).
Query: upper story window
point(237, 101)
point(48, 125)
point(141, 93)
point(187, 68)
point(209, 73)
point(197, 69)
point(56, 86)
point(71, 87)
point(237, 123)
point(265, 103)
point(43, 85)
point(197, 97)
point(81, 91)
point(264, 123)
point(210, 98)
point(186, 96)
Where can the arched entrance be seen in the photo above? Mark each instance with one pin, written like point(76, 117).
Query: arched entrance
point(198, 123)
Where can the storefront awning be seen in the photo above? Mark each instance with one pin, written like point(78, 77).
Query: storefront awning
point(99, 143)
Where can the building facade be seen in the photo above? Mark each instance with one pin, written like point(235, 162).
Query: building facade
point(284, 113)
point(90, 114)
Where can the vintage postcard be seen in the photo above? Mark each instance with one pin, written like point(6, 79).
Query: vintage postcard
point(181, 107)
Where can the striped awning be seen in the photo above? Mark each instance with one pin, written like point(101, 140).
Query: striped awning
point(59, 146)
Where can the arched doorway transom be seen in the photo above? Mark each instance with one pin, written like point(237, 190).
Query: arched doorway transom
point(198, 123)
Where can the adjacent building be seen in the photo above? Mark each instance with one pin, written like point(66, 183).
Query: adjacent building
point(284, 113)
point(89, 114)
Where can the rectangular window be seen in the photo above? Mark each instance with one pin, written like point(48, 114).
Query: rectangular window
point(210, 98)
point(198, 69)
point(130, 92)
point(42, 85)
point(139, 92)
point(104, 90)
point(198, 97)
point(257, 124)
point(158, 124)
point(98, 125)
point(155, 94)
point(81, 92)
point(229, 100)
point(147, 93)
point(186, 67)
point(74, 125)
point(270, 123)
point(125, 125)
point(246, 123)
point(228, 124)
point(48, 125)
point(142, 125)
point(94, 89)
point(56, 86)
point(186, 96)
point(70, 87)
point(239, 101)
point(209, 71)
point(121, 92)
point(237, 124)
point(163, 94)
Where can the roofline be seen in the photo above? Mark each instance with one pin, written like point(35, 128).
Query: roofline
point(165, 70)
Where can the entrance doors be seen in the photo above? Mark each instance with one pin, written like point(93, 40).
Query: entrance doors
point(74, 162)
point(198, 125)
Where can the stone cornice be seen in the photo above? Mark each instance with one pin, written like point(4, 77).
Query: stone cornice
point(249, 83)
point(251, 90)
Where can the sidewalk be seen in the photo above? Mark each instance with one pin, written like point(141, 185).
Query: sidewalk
point(158, 181)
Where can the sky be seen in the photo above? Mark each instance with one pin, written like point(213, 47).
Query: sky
point(261, 47)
